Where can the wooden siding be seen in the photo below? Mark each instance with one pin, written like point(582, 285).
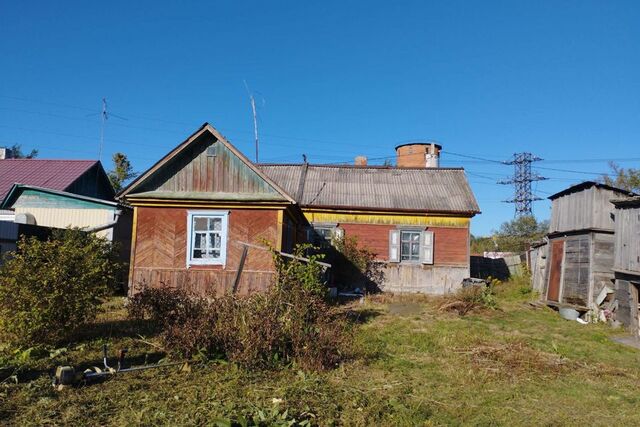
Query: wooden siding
point(160, 251)
point(587, 209)
point(627, 240)
point(627, 296)
point(65, 218)
point(199, 170)
point(433, 280)
point(575, 277)
point(601, 263)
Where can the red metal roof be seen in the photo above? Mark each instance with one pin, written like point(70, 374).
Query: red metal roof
point(53, 174)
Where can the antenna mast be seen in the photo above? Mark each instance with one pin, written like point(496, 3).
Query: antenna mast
point(252, 99)
point(104, 117)
point(255, 123)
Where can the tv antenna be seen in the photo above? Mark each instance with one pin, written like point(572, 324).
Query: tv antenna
point(252, 99)
point(104, 116)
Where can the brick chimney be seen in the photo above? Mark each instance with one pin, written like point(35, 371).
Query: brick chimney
point(361, 161)
point(418, 155)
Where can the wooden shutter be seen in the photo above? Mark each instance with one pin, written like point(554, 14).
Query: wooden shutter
point(426, 247)
point(394, 245)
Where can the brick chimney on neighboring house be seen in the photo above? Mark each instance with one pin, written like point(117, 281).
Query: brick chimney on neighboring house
point(418, 155)
point(361, 161)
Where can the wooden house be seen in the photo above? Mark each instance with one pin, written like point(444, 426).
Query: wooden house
point(195, 212)
point(199, 206)
point(416, 219)
point(581, 242)
point(626, 264)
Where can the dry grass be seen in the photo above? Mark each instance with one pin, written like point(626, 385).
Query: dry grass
point(520, 365)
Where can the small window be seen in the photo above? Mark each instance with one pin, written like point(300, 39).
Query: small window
point(323, 234)
point(410, 246)
point(207, 238)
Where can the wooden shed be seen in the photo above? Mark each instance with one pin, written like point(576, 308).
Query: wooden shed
point(581, 241)
point(626, 264)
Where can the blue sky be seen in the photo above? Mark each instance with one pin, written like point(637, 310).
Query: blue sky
point(333, 80)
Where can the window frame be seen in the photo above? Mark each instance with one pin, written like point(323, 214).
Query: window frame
point(224, 235)
point(417, 243)
point(426, 245)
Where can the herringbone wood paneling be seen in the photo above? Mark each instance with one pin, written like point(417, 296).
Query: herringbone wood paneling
point(161, 247)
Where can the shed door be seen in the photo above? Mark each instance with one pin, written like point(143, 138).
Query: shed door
point(555, 270)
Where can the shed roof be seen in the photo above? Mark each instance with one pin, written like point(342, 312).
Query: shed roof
point(588, 184)
point(18, 189)
point(444, 190)
point(53, 174)
point(629, 202)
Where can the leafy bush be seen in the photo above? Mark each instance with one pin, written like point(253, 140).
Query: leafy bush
point(290, 322)
point(354, 265)
point(48, 288)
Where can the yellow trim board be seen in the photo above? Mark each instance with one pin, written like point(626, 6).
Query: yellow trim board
point(132, 258)
point(279, 230)
point(351, 218)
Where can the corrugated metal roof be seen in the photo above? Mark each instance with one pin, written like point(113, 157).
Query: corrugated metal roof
point(53, 174)
point(382, 188)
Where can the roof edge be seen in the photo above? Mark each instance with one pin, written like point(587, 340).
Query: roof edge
point(588, 184)
point(16, 187)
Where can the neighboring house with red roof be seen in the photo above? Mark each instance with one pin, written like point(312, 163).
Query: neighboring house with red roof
point(83, 177)
point(60, 194)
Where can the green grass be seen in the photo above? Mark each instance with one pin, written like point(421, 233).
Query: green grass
point(518, 365)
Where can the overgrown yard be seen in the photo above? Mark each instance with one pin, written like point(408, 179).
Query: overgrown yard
point(414, 365)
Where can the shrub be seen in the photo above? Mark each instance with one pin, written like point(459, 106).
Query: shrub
point(470, 298)
point(290, 322)
point(48, 288)
point(354, 264)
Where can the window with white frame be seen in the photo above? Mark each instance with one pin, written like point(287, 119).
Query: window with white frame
point(411, 246)
point(207, 238)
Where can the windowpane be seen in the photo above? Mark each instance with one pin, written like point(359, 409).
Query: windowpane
point(208, 235)
point(215, 224)
point(410, 245)
point(199, 223)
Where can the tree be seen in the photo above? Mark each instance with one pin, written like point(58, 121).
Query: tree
point(16, 152)
point(514, 235)
point(626, 179)
point(122, 171)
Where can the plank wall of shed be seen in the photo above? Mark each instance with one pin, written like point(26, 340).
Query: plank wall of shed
point(587, 266)
point(196, 169)
point(159, 255)
point(587, 209)
point(627, 240)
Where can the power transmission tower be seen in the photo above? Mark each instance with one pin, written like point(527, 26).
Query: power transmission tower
point(522, 179)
